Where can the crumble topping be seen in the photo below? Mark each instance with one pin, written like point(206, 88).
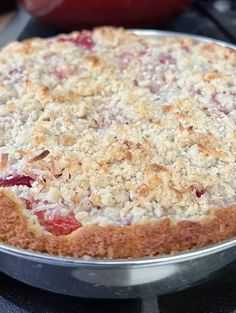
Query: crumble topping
point(107, 127)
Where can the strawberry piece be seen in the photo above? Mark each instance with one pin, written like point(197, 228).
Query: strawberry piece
point(29, 203)
point(125, 59)
point(59, 225)
point(200, 192)
point(16, 181)
point(219, 106)
point(186, 48)
point(198, 92)
point(60, 74)
point(167, 58)
point(84, 40)
point(18, 70)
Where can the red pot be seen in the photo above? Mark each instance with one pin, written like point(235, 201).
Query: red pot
point(72, 14)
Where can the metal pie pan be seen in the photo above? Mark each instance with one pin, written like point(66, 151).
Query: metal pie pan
point(129, 278)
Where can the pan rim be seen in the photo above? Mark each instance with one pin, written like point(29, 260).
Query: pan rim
point(119, 263)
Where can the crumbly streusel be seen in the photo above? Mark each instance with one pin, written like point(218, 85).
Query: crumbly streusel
point(119, 129)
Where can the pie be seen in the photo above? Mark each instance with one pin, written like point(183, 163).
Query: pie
point(115, 145)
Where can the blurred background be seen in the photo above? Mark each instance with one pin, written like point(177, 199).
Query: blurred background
point(213, 18)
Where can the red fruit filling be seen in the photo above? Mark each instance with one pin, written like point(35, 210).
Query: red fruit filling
point(186, 49)
point(60, 74)
point(29, 204)
point(10, 181)
point(167, 58)
point(17, 70)
point(198, 91)
point(59, 225)
point(84, 40)
point(200, 192)
point(218, 104)
point(125, 59)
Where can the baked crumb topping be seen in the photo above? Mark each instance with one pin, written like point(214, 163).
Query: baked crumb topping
point(117, 129)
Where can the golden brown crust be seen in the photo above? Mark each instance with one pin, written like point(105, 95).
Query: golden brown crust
point(160, 237)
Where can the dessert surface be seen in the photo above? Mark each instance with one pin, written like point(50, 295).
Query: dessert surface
point(108, 136)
